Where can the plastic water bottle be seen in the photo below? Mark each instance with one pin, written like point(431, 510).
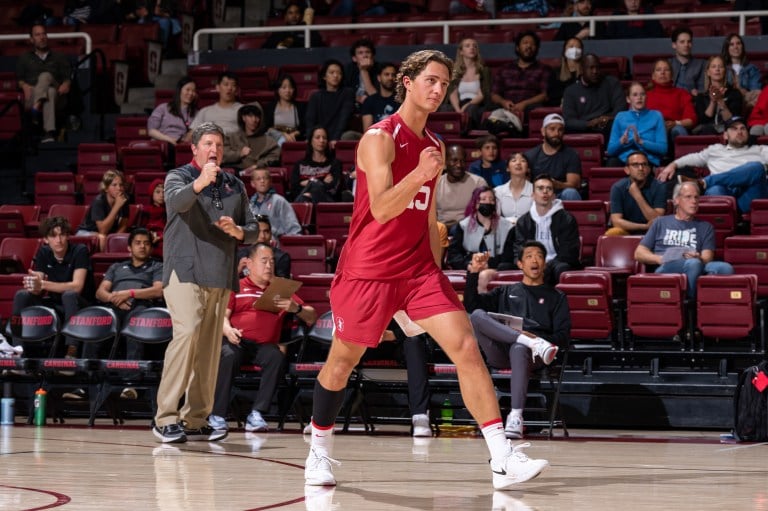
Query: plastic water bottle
point(446, 413)
point(41, 396)
point(7, 412)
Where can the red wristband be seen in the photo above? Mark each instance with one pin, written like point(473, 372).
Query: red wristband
point(133, 293)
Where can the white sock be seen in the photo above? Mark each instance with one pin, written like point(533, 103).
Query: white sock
point(493, 432)
point(322, 439)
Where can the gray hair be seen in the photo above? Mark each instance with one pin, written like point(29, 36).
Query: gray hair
point(205, 129)
point(679, 188)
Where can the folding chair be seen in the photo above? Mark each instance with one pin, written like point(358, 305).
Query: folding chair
point(151, 327)
point(36, 328)
point(93, 326)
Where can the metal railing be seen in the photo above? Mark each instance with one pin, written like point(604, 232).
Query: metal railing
point(446, 25)
point(58, 35)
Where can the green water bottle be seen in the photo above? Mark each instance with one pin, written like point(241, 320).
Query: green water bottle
point(446, 413)
point(41, 396)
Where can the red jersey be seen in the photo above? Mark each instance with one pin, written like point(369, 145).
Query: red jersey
point(399, 248)
point(256, 324)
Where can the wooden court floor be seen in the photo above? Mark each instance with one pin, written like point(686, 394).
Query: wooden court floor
point(73, 467)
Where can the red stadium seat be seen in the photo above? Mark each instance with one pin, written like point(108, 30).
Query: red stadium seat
point(656, 307)
point(592, 220)
point(308, 253)
point(749, 256)
point(726, 308)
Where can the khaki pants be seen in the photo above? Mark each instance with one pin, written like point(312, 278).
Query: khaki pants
point(192, 358)
point(45, 92)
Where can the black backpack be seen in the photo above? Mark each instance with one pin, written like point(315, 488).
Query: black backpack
point(750, 406)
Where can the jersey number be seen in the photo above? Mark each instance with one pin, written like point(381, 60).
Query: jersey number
point(421, 200)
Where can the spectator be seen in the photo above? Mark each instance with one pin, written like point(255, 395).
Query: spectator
point(540, 7)
point(250, 147)
point(109, 212)
point(208, 217)
point(679, 243)
point(332, 105)
point(718, 101)
point(160, 12)
point(578, 29)
point(735, 168)
point(521, 85)
point(224, 112)
point(687, 72)
point(482, 230)
point(515, 198)
point(282, 258)
point(454, 187)
point(472, 7)
point(293, 17)
point(317, 177)
point(637, 129)
point(549, 223)
point(741, 74)
point(636, 200)
point(590, 104)
point(155, 215)
point(129, 287)
point(76, 12)
point(253, 334)
point(44, 78)
point(489, 166)
point(285, 117)
point(470, 89)
point(758, 117)
point(545, 329)
point(674, 103)
point(171, 121)
point(570, 71)
point(559, 162)
point(382, 104)
point(266, 201)
point(361, 75)
point(62, 277)
point(636, 28)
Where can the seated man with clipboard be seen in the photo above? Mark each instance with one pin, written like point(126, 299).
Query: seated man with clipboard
point(518, 326)
point(252, 327)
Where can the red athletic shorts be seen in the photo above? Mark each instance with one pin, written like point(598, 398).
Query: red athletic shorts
point(362, 309)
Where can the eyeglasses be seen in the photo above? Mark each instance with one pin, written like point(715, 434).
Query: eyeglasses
point(216, 193)
point(262, 218)
point(640, 165)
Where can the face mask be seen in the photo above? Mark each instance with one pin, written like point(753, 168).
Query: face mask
point(573, 53)
point(486, 209)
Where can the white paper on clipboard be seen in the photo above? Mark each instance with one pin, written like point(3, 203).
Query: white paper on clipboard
point(410, 328)
point(513, 322)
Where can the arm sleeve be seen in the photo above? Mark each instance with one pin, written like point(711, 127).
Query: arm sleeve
point(657, 143)
point(614, 141)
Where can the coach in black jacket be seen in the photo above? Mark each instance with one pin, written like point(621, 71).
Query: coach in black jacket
point(549, 223)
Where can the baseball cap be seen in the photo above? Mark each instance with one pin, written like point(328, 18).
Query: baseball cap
point(735, 120)
point(551, 119)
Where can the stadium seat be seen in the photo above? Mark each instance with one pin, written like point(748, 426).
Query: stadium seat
point(307, 253)
point(54, 188)
point(129, 128)
point(446, 124)
point(75, 213)
point(600, 181)
point(758, 217)
point(332, 220)
point(96, 156)
point(749, 256)
point(656, 308)
point(315, 291)
point(592, 221)
point(720, 211)
point(726, 308)
point(16, 254)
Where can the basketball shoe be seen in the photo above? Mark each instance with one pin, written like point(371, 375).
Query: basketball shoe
point(516, 468)
point(317, 469)
point(544, 350)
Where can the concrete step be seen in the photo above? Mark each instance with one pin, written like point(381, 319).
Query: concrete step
point(173, 69)
point(140, 99)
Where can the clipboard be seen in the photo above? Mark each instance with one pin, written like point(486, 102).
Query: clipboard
point(278, 286)
point(513, 322)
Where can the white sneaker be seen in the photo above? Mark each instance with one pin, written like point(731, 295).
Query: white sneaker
point(217, 422)
point(514, 427)
point(516, 468)
point(317, 469)
point(421, 426)
point(544, 350)
point(255, 422)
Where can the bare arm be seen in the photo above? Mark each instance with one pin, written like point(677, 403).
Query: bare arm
point(644, 255)
point(707, 256)
point(76, 284)
point(375, 154)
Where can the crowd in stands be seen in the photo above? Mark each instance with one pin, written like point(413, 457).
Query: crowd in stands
point(516, 187)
